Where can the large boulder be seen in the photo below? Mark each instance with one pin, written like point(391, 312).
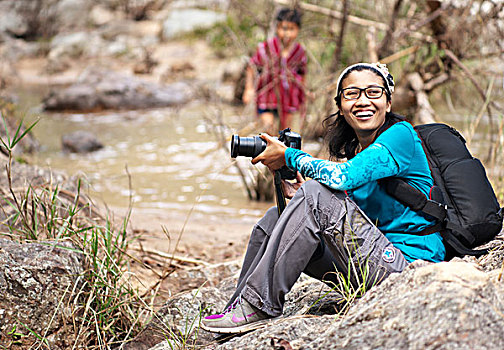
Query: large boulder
point(450, 305)
point(179, 319)
point(32, 19)
point(182, 21)
point(36, 282)
point(98, 89)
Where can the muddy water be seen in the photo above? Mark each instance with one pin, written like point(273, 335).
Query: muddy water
point(164, 160)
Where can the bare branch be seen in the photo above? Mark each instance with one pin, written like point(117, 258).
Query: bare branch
point(400, 54)
point(415, 27)
point(352, 19)
point(371, 44)
point(384, 48)
point(435, 82)
point(425, 112)
point(339, 45)
point(468, 73)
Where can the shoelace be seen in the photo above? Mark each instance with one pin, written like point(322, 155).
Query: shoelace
point(233, 305)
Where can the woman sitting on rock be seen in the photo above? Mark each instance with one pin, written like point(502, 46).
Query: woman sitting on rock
point(341, 219)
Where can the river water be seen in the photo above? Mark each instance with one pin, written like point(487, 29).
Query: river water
point(168, 159)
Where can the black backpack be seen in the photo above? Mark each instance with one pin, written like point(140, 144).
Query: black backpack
point(462, 199)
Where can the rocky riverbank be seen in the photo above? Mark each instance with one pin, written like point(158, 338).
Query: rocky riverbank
point(106, 285)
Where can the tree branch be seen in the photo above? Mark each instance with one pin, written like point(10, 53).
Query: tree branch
point(352, 19)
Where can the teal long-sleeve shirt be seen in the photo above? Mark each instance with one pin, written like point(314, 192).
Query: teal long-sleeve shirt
point(396, 152)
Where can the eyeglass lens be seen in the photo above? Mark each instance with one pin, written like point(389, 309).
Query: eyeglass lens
point(371, 92)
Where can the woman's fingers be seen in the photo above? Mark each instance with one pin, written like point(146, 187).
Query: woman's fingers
point(260, 157)
point(274, 154)
point(299, 178)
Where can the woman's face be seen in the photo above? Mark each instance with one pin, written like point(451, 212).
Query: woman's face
point(365, 115)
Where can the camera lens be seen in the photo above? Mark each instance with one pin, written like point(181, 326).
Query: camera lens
point(247, 146)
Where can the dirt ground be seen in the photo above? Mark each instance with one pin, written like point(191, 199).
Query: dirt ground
point(194, 243)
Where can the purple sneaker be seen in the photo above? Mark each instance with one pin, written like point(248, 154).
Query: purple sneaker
point(239, 317)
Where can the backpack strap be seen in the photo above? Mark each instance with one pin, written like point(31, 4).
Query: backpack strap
point(459, 247)
point(468, 236)
point(416, 200)
point(413, 198)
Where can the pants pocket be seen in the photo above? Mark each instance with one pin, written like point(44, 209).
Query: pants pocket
point(359, 246)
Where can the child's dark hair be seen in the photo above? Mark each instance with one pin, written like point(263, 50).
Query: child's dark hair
point(290, 15)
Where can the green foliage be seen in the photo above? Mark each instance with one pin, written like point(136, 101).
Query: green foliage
point(353, 283)
point(106, 306)
point(183, 339)
point(227, 37)
point(9, 143)
point(15, 338)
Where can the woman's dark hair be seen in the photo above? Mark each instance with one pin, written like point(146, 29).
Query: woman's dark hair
point(289, 15)
point(340, 137)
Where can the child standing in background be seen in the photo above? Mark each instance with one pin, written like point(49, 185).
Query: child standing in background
point(275, 75)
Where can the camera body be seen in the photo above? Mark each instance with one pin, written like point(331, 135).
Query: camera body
point(253, 146)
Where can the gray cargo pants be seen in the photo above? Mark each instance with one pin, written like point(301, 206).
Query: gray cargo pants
point(320, 231)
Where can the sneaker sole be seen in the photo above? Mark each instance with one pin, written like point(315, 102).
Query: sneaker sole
point(239, 329)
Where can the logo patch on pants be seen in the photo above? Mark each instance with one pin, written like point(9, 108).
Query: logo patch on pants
point(389, 255)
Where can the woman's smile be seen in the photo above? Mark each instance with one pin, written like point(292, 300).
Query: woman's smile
point(365, 115)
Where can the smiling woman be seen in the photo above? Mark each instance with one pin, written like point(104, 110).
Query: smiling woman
point(364, 112)
point(342, 222)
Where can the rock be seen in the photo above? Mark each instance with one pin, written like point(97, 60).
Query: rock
point(100, 15)
point(102, 89)
point(182, 313)
point(12, 22)
point(221, 5)
point(36, 281)
point(179, 318)
point(15, 49)
point(80, 142)
point(132, 29)
point(75, 45)
point(449, 305)
point(72, 14)
point(186, 20)
point(34, 19)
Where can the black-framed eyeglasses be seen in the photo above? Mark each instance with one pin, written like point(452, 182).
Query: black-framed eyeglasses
point(354, 93)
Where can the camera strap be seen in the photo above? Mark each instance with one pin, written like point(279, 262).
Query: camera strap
point(279, 194)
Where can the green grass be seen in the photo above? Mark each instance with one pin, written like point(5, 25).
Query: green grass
point(353, 283)
point(105, 307)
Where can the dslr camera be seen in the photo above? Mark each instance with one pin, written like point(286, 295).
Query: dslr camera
point(253, 146)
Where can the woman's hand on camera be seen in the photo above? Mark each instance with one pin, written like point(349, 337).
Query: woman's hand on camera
point(290, 188)
point(274, 154)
